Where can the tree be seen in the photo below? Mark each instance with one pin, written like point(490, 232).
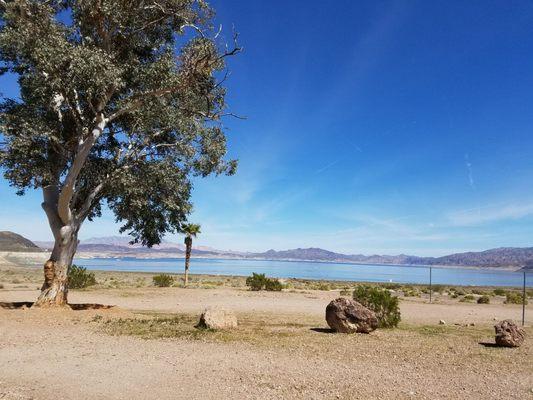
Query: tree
point(120, 104)
point(190, 231)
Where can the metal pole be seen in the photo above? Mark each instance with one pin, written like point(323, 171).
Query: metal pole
point(430, 288)
point(524, 301)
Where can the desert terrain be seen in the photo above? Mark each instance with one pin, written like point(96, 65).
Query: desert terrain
point(146, 347)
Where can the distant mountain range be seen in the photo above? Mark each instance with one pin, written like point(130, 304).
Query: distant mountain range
point(504, 257)
point(516, 257)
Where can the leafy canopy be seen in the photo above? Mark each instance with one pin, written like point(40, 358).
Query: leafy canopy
point(120, 102)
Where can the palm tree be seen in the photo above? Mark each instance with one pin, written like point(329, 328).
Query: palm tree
point(190, 231)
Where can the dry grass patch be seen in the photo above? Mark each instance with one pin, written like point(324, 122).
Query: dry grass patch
point(182, 326)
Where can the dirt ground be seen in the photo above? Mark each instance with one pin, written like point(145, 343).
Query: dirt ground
point(147, 346)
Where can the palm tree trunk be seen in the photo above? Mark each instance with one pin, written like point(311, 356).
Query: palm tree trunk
point(188, 249)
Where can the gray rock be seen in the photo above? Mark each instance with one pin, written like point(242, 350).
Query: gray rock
point(348, 316)
point(217, 318)
point(442, 322)
point(508, 334)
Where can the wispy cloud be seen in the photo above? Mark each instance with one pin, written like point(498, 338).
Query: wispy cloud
point(490, 213)
point(469, 171)
point(327, 166)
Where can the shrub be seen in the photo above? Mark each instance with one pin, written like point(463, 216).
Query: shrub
point(163, 280)
point(380, 301)
point(513, 298)
point(411, 293)
point(273, 285)
point(1, 286)
point(467, 298)
point(261, 282)
point(79, 278)
point(322, 286)
point(478, 291)
point(454, 295)
point(483, 300)
point(256, 281)
point(437, 288)
point(499, 292)
point(345, 291)
point(391, 285)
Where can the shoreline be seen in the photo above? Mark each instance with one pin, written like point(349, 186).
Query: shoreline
point(177, 256)
point(33, 262)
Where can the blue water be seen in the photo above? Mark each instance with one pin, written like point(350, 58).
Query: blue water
point(314, 270)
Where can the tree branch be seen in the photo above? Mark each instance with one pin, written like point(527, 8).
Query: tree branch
point(49, 205)
point(88, 204)
point(137, 100)
point(84, 148)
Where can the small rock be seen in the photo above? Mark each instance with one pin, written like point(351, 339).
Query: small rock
point(442, 322)
point(508, 334)
point(217, 318)
point(472, 324)
point(348, 316)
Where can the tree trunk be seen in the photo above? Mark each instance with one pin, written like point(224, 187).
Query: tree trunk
point(55, 287)
point(188, 248)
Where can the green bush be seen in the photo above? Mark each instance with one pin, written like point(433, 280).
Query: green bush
point(499, 292)
point(380, 301)
point(79, 278)
point(467, 298)
point(513, 298)
point(256, 281)
point(163, 280)
point(273, 285)
point(483, 300)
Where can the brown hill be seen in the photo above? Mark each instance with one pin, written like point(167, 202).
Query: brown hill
point(10, 241)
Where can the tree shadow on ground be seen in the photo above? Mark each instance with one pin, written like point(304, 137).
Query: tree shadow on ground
point(15, 305)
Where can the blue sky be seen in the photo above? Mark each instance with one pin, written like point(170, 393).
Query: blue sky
point(372, 127)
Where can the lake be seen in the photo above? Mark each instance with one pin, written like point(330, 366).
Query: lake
point(313, 270)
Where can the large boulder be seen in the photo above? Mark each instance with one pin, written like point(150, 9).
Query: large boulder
point(348, 316)
point(508, 334)
point(217, 318)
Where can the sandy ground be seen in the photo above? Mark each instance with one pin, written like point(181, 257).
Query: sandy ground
point(280, 350)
